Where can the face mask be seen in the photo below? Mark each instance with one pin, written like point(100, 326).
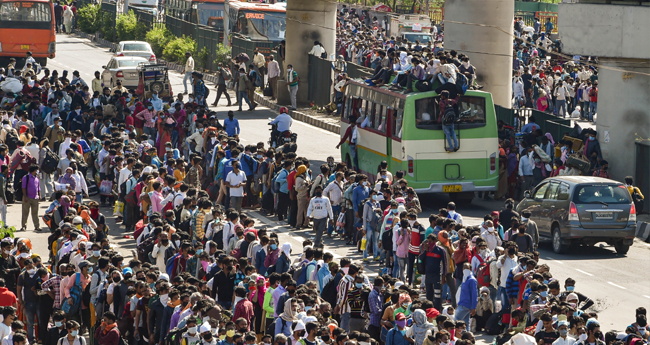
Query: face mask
point(570, 288)
point(90, 270)
point(543, 293)
point(191, 330)
point(201, 130)
point(117, 279)
point(564, 332)
point(230, 333)
point(149, 107)
point(8, 252)
point(274, 246)
point(359, 285)
point(582, 337)
point(207, 337)
point(58, 323)
point(545, 282)
point(483, 252)
point(199, 251)
point(222, 337)
point(177, 243)
point(374, 197)
point(490, 229)
point(592, 138)
point(393, 211)
point(411, 222)
point(523, 219)
point(97, 253)
point(74, 333)
point(168, 149)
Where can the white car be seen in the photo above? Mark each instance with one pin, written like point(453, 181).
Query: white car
point(136, 48)
point(124, 68)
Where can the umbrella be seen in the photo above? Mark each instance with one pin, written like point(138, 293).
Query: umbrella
point(243, 57)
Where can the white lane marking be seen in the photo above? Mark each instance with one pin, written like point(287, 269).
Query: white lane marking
point(559, 262)
point(618, 286)
point(587, 273)
point(646, 296)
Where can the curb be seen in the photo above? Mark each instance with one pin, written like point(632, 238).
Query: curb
point(643, 231)
point(302, 117)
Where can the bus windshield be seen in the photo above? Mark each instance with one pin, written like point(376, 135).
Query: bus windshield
point(470, 112)
point(209, 11)
point(263, 25)
point(26, 13)
point(423, 38)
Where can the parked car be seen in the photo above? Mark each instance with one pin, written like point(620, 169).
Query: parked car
point(136, 48)
point(124, 68)
point(572, 210)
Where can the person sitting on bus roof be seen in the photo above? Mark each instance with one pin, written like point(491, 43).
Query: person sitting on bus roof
point(385, 69)
point(416, 74)
point(402, 67)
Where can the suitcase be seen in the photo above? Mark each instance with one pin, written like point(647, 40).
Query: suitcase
point(577, 143)
point(578, 161)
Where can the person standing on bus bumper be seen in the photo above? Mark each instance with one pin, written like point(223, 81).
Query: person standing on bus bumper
point(292, 82)
point(189, 68)
point(352, 133)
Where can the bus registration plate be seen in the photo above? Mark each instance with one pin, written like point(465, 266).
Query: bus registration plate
point(452, 188)
point(24, 46)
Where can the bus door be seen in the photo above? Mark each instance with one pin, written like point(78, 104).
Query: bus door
point(394, 140)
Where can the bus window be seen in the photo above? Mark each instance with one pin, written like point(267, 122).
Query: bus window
point(397, 124)
point(472, 110)
point(380, 118)
point(25, 12)
point(425, 112)
point(351, 110)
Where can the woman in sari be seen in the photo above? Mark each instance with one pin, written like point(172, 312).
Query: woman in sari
point(164, 125)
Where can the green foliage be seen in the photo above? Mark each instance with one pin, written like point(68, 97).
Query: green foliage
point(6, 231)
point(202, 58)
point(223, 54)
point(176, 48)
point(158, 38)
point(88, 18)
point(107, 26)
point(125, 26)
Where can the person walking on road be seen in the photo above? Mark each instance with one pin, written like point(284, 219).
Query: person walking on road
point(292, 83)
point(242, 87)
point(273, 75)
point(31, 196)
point(468, 295)
point(189, 69)
point(222, 73)
point(320, 209)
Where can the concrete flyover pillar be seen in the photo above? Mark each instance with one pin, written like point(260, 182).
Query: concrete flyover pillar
point(489, 49)
point(308, 21)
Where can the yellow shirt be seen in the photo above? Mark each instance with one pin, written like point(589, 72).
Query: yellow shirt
point(179, 175)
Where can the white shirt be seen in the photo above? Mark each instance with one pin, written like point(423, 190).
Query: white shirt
point(506, 267)
point(159, 254)
point(274, 69)
point(235, 179)
point(491, 238)
point(228, 231)
point(80, 186)
point(320, 208)
point(317, 50)
point(124, 175)
point(334, 191)
point(568, 341)
point(189, 65)
point(33, 149)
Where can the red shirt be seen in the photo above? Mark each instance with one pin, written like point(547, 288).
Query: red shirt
point(7, 298)
point(244, 308)
point(291, 179)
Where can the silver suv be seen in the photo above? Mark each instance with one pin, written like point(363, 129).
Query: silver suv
point(571, 210)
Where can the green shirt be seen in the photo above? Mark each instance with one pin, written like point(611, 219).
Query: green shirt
point(294, 75)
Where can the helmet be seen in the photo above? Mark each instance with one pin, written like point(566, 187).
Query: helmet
point(284, 110)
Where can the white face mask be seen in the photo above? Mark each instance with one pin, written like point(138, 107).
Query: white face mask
point(582, 337)
point(191, 330)
point(483, 252)
point(523, 219)
point(490, 229)
point(177, 243)
point(163, 299)
point(411, 222)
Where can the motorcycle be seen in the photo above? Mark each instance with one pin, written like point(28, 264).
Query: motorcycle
point(281, 138)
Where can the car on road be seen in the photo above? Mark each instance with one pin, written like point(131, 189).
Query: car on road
point(136, 48)
point(573, 210)
point(124, 68)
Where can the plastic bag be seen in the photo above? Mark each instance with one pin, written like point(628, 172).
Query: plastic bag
point(363, 243)
point(106, 188)
point(119, 208)
point(11, 85)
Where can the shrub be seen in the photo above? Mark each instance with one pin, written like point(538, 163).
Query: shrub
point(158, 38)
point(223, 54)
point(107, 25)
point(176, 48)
point(125, 26)
point(88, 18)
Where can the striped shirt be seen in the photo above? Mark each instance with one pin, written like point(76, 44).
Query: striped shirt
point(342, 295)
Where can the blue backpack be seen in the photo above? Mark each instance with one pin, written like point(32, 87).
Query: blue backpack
point(75, 295)
point(302, 274)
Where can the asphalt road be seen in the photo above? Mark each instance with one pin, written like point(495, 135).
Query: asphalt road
point(618, 284)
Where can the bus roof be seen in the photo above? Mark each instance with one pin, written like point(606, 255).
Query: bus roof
point(257, 6)
point(383, 90)
point(26, 1)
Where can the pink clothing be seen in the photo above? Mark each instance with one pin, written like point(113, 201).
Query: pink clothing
point(73, 279)
point(156, 199)
point(403, 240)
point(147, 116)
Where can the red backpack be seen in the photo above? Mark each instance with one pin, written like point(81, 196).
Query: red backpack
point(483, 272)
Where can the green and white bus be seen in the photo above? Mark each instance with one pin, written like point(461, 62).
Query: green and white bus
point(405, 130)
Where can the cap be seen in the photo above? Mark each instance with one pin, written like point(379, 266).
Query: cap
point(311, 319)
point(127, 271)
point(205, 327)
point(66, 225)
point(398, 284)
point(300, 326)
point(77, 220)
point(432, 313)
point(163, 276)
point(400, 317)
point(83, 264)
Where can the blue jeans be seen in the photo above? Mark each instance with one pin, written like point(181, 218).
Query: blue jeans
point(462, 313)
point(174, 137)
point(243, 95)
point(450, 133)
point(503, 297)
point(395, 265)
point(30, 318)
point(188, 76)
point(336, 210)
point(345, 321)
point(560, 104)
point(355, 157)
point(372, 239)
point(593, 107)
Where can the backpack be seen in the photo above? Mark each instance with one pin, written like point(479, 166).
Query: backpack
point(50, 161)
point(169, 265)
point(302, 277)
point(177, 214)
point(85, 295)
point(461, 83)
point(297, 270)
point(145, 247)
point(11, 139)
point(123, 188)
point(449, 115)
point(175, 336)
point(226, 74)
point(483, 272)
point(258, 80)
point(284, 324)
point(330, 290)
point(375, 220)
point(323, 55)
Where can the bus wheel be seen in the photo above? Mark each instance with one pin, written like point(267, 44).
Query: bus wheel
point(462, 199)
point(41, 61)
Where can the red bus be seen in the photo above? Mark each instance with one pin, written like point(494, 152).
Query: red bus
point(27, 25)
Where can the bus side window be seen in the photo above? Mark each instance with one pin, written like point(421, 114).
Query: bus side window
point(380, 118)
point(397, 124)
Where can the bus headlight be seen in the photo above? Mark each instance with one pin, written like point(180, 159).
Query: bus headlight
point(51, 49)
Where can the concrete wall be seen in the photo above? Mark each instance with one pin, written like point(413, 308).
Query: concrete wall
point(623, 112)
point(308, 21)
point(489, 49)
point(605, 30)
